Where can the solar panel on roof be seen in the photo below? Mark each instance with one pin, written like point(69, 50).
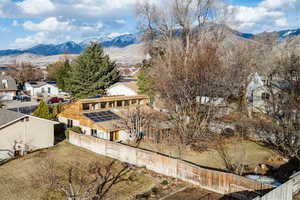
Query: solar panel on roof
point(102, 116)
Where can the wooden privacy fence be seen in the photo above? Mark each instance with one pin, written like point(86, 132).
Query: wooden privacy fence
point(213, 180)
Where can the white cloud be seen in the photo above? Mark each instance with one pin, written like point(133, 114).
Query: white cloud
point(120, 21)
point(35, 7)
point(282, 22)
point(274, 4)
point(269, 15)
point(252, 14)
point(50, 24)
point(29, 41)
point(15, 23)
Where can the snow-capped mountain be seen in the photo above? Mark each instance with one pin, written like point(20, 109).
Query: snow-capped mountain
point(288, 33)
point(111, 40)
point(126, 39)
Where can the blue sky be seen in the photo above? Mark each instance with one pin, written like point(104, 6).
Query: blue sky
point(24, 23)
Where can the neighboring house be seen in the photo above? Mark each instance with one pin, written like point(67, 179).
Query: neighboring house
point(100, 117)
point(126, 87)
point(21, 133)
point(43, 89)
point(258, 92)
point(8, 87)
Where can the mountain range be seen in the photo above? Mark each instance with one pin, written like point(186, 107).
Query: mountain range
point(124, 40)
point(72, 47)
point(127, 49)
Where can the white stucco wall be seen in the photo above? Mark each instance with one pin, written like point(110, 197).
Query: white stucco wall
point(54, 91)
point(36, 133)
point(123, 135)
point(121, 90)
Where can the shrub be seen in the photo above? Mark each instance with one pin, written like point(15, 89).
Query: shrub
point(42, 111)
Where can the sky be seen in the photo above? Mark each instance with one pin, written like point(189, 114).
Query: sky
point(25, 23)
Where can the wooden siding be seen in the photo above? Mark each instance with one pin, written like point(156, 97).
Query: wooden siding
point(74, 111)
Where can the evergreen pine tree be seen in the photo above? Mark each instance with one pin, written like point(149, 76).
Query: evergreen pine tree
point(42, 111)
point(63, 75)
point(91, 73)
point(145, 81)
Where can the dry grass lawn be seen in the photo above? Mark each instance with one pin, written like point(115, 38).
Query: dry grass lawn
point(244, 152)
point(17, 175)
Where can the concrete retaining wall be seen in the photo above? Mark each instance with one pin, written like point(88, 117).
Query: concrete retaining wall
point(213, 180)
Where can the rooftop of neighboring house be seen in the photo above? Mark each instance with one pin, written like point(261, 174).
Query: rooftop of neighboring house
point(37, 84)
point(7, 83)
point(131, 83)
point(7, 117)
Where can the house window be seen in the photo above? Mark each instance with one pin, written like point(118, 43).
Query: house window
point(17, 153)
point(133, 102)
point(111, 104)
point(119, 103)
point(265, 96)
point(70, 123)
point(94, 132)
point(43, 90)
point(85, 106)
point(49, 90)
point(103, 105)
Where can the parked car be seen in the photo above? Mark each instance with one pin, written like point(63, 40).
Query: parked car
point(22, 98)
point(55, 100)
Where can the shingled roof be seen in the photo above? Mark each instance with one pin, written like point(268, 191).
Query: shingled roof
point(7, 117)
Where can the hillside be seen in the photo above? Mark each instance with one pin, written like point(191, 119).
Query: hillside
point(131, 54)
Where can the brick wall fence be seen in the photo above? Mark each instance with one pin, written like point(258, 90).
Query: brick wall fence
point(213, 180)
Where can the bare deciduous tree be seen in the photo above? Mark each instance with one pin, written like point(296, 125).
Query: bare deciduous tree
point(136, 121)
point(26, 72)
point(182, 19)
point(95, 182)
point(282, 130)
point(195, 87)
point(191, 68)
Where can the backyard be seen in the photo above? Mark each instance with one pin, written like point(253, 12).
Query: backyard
point(18, 176)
